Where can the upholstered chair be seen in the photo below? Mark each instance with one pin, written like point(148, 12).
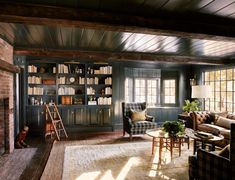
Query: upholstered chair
point(214, 165)
point(136, 126)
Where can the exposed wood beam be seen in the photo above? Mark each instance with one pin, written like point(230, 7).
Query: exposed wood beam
point(197, 27)
point(5, 66)
point(117, 56)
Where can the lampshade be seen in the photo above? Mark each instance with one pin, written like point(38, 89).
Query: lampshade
point(201, 91)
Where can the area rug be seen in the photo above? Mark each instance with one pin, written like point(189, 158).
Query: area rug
point(121, 161)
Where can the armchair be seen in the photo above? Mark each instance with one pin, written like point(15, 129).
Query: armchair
point(211, 165)
point(138, 127)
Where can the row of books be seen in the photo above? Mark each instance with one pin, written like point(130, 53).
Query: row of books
point(32, 69)
point(66, 91)
point(35, 91)
point(108, 90)
point(104, 100)
point(90, 91)
point(92, 80)
point(108, 80)
point(62, 68)
point(103, 70)
point(34, 80)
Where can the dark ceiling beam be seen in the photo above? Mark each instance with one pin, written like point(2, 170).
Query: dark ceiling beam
point(5, 66)
point(117, 56)
point(192, 27)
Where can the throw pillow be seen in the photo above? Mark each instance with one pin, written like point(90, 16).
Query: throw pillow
point(138, 115)
point(224, 122)
point(215, 115)
point(225, 151)
point(231, 116)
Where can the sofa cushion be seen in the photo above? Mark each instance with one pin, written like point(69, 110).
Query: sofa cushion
point(214, 129)
point(214, 115)
point(225, 133)
point(224, 122)
point(231, 116)
point(138, 115)
point(209, 128)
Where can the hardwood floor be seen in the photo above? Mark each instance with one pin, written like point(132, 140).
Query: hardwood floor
point(36, 164)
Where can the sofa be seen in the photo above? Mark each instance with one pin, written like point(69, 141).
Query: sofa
point(213, 122)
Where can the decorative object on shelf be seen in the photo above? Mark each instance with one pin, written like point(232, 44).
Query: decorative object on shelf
point(66, 100)
point(48, 81)
point(173, 127)
point(78, 101)
point(191, 106)
point(71, 79)
point(42, 70)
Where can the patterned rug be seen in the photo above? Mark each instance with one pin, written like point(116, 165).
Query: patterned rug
point(121, 161)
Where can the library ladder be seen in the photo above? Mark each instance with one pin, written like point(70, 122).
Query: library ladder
point(54, 123)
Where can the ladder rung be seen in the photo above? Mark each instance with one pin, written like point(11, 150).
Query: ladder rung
point(56, 120)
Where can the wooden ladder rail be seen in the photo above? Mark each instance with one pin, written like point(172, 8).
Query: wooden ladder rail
point(55, 121)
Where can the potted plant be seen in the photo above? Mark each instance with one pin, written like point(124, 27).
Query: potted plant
point(173, 127)
point(191, 106)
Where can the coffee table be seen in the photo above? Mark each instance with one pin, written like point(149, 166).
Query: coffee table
point(162, 140)
point(203, 143)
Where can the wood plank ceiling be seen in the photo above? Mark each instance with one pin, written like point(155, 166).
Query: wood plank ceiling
point(184, 31)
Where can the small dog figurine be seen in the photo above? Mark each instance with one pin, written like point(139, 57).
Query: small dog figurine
point(19, 141)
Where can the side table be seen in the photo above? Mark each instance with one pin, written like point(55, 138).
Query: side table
point(163, 140)
point(203, 143)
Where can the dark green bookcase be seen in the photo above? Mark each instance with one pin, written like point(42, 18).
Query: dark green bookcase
point(82, 91)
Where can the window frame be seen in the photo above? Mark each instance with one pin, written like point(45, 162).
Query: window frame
point(163, 92)
point(132, 96)
point(212, 103)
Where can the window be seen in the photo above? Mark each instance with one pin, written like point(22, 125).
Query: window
point(169, 91)
point(142, 90)
point(222, 83)
point(143, 85)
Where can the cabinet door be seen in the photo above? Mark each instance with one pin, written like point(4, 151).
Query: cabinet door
point(92, 116)
point(80, 116)
point(67, 115)
point(35, 120)
point(107, 116)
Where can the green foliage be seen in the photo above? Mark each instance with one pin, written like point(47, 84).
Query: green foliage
point(191, 106)
point(173, 127)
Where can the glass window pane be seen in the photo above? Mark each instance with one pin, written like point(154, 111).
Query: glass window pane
point(223, 75)
point(217, 75)
point(207, 76)
point(229, 107)
point(217, 86)
point(223, 85)
point(212, 76)
point(217, 96)
point(229, 85)
point(229, 74)
point(229, 97)
point(169, 91)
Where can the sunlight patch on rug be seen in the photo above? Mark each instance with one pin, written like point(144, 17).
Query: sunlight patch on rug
point(121, 161)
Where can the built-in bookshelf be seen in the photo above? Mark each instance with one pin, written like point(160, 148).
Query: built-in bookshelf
point(69, 83)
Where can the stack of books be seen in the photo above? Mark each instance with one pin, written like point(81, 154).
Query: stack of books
point(204, 135)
